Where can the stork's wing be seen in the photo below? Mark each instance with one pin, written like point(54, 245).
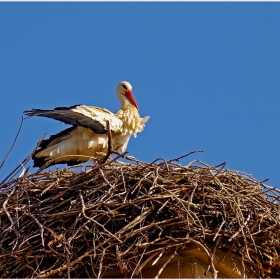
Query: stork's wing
point(90, 117)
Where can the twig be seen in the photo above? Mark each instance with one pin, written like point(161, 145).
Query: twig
point(21, 122)
point(101, 263)
point(220, 227)
point(22, 163)
point(166, 263)
point(193, 152)
point(215, 272)
point(240, 229)
point(140, 267)
point(94, 221)
point(40, 225)
point(5, 208)
point(109, 143)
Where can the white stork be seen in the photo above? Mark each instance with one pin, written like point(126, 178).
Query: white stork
point(87, 138)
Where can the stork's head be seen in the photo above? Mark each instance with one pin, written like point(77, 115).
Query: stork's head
point(124, 92)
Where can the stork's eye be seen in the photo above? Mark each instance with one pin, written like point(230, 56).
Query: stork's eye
point(125, 87)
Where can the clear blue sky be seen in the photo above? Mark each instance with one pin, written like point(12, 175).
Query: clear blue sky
point(208, 74)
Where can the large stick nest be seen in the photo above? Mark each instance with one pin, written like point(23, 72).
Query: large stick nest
point(69, 223)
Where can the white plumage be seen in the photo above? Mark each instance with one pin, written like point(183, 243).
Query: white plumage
point(87, 138)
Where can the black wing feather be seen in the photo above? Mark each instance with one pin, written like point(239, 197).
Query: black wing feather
point(66, 115)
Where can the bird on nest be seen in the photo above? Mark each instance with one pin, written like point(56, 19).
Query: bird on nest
point(87, 138)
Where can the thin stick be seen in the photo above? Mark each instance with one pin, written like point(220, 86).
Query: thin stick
point(13, 143)
point(166, 263)
point(94, 221)
point(109, 143)
point(193, 152)
point(23, 162)
point(5, 208)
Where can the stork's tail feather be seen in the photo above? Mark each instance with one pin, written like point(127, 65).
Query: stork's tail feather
point(40, 161)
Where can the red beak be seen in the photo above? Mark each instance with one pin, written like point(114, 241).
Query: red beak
point(131, 99)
